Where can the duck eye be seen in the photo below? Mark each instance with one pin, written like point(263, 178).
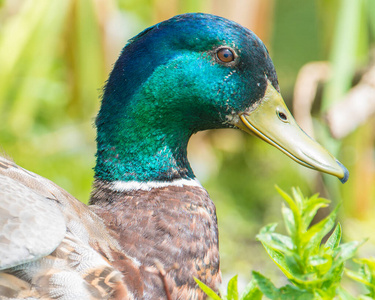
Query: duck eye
point(225, 55)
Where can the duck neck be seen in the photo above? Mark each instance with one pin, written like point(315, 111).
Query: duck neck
point(138, 145)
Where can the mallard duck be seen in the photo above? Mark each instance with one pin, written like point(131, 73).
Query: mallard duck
point(150, 227)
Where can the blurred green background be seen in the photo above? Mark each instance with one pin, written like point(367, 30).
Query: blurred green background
point(56, 55)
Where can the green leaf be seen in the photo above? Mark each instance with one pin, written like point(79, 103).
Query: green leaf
point(287, 292)
point(290, 292)
point(333, 276)
point(294, 264)
point(268, 228)
point(365, 275)
point(277, 241)
point(266, 286)
point(289, 200)
point(209, 292)
point(313, 237)
point(335, 238)
point(321, 294)
point(344, 295)
point(357, 276)
point(251, 292)
point(289, 220)
point(317, 260)
point(232, 293)
point(369, 262)
point(324, 267)
point(279, 260)
point(347, 251)
point(310, 208)
point(299, 199)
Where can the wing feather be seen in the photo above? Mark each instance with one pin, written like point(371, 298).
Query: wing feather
point(24, 236)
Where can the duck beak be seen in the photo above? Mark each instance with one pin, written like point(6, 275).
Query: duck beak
point(272, 122)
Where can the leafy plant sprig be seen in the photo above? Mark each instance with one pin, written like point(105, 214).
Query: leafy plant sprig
point(365, 275)
point(314, 269)
point(251, 291)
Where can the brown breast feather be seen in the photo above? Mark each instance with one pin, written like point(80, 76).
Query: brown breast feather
point(173, 228)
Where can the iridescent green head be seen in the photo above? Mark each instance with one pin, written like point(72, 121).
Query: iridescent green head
point(190, 73)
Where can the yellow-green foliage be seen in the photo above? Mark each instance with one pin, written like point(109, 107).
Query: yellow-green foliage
point(314, 269)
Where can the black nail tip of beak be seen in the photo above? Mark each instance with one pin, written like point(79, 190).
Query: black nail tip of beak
point(346, 172)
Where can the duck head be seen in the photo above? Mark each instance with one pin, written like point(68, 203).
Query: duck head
point(190, 73)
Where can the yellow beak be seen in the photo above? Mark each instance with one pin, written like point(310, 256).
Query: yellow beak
point(272, 122)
